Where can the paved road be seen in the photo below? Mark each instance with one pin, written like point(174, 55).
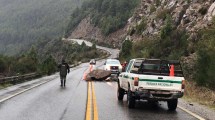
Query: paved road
point(114, 52)
point(51, 102)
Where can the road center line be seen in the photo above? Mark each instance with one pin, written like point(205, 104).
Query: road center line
point(191, 113)
point(91, 110)
point(95, 110)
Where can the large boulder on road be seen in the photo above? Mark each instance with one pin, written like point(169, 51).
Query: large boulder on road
point(98, 75)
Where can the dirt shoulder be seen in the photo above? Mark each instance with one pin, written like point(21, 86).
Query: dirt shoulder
point(201, 110)
point(199, 100)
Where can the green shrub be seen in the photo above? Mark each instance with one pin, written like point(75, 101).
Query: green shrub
point(141, 27)
point(49, 65)
point(3, 65)
point(152, 8)
point(162, 14)
point(167, 29)
point(206, 56)
point(125, 52)
point(147, 48)
point(157, 2)
point(203, 10)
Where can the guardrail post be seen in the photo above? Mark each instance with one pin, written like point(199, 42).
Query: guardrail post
point(13, 80)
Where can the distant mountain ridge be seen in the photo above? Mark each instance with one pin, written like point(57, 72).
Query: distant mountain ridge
point(23, 22)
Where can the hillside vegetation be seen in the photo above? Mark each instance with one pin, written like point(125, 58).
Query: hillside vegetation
point(172, 44)
point(206, 57)
point(23, 22)
point(108, 15)
point(31, 33)
point(170, 37)
point(45, 56)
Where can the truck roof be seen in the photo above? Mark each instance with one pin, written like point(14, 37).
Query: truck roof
point(169, 61)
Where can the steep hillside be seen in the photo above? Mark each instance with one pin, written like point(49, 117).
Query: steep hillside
point(168, 29)
point(23, 22)
point(190, 15)
point(101, 20)
point(172, 29)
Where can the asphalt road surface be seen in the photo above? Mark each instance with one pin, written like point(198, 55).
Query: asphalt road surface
point(51, 102)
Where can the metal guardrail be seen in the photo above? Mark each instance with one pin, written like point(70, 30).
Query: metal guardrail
point(74, 65)
point(22, 78)
point(18, 78)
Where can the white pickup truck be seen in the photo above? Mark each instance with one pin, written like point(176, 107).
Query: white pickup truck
point(150, 79)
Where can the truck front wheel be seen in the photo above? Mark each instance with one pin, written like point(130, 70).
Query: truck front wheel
point(172, 104)
point(130, 99)
point(120, 93)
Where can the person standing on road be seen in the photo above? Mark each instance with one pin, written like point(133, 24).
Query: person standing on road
point(64, 69)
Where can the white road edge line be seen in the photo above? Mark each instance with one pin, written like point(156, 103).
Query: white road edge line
point(191, 113)
point(9, 97)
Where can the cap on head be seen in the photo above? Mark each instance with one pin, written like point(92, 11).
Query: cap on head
point(63, 60)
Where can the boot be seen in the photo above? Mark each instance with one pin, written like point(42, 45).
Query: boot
point(61, 81)
point(64, 83)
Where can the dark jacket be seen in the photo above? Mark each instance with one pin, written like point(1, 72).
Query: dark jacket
point(64, 69)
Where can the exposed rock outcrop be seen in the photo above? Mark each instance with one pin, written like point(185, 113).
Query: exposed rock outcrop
point(88, 31)
point(191, 15)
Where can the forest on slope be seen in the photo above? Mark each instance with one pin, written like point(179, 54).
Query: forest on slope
point(24, 22)
point(108, 15)
point(45, 61)
point(31, 37)
point(168, 30)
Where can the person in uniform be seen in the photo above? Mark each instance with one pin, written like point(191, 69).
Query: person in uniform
point(64, 69)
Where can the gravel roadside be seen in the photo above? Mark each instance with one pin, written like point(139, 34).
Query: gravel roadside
point(201, 110)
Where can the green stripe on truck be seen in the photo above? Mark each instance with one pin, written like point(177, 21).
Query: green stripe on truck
point(151, 80)
point(166, 81)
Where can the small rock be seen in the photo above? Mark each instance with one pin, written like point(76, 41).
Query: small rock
point(191, 104)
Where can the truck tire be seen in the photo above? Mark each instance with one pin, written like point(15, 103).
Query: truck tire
point(172, 104)
point(130, 99)
point(120, 93)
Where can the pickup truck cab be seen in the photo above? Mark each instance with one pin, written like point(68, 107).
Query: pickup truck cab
point(153, 80)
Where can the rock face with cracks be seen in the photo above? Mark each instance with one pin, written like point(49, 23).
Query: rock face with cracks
point(190, 15)
point(98, 75)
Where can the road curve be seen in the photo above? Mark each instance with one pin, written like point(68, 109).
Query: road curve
point(114, 52)
point(51, 102)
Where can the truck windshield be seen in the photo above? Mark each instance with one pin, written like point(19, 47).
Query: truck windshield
point(113, 62)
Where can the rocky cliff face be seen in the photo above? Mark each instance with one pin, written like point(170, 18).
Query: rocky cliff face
point(191, 15)
point(86, 30)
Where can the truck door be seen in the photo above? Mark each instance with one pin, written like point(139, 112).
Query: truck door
point(127, 74)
